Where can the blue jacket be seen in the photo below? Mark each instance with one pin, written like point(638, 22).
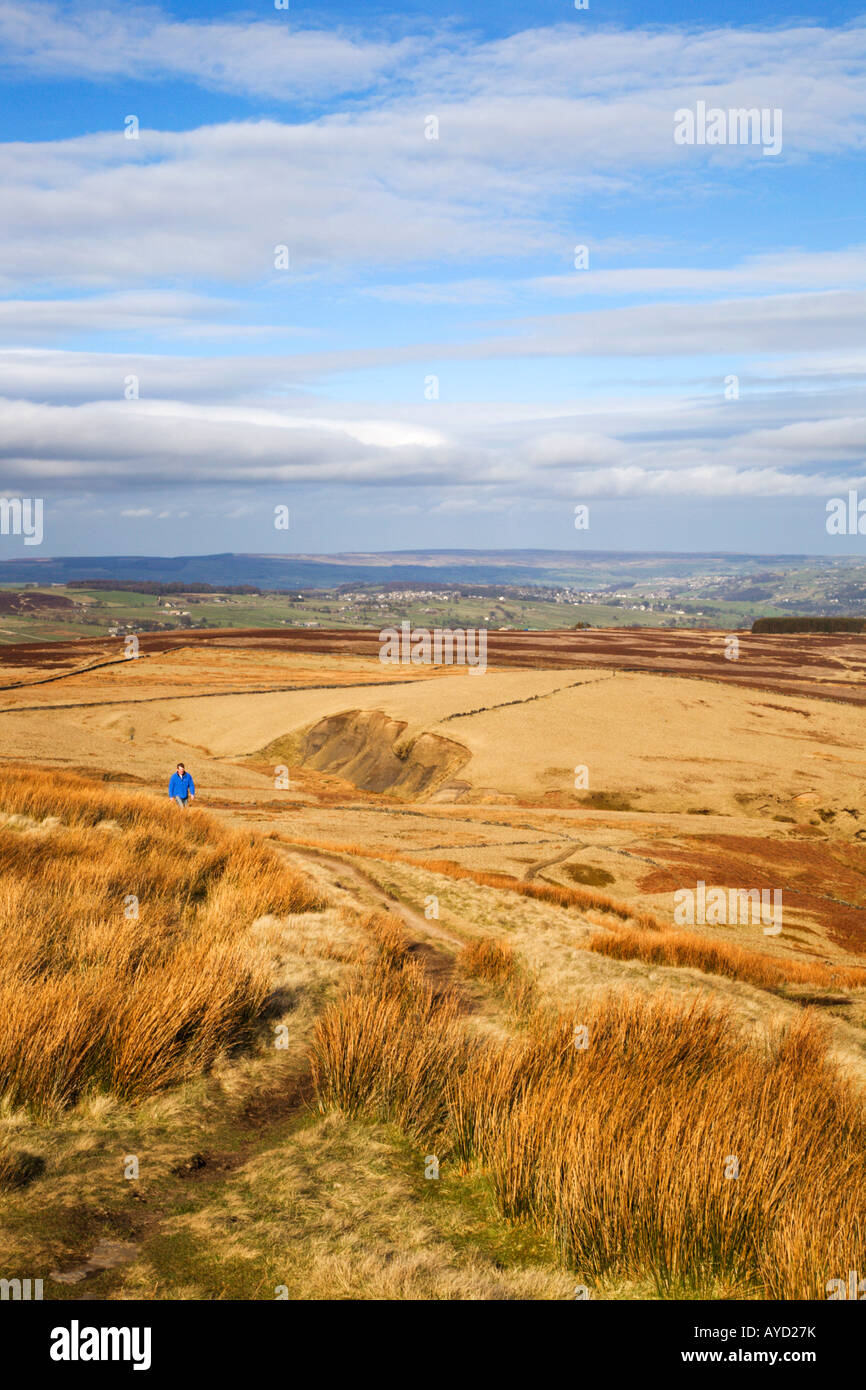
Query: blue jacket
point(181, 786)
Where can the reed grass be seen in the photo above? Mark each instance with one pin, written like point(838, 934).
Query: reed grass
point(671, 1146)
point(124, 964)
point(724, 958)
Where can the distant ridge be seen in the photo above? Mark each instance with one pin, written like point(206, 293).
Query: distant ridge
point(452, 566)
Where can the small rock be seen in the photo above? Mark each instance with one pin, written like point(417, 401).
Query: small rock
point(189, 1165)
point(109, 1254)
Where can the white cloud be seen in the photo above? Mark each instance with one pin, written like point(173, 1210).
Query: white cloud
point(273, 58)
point(758, 274)
point(525, 125)
point(531, 128)
point(118, 440)
point(142, 311)
point(822, 322)
point(635, 448)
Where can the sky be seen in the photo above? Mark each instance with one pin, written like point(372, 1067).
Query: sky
point(432, 277)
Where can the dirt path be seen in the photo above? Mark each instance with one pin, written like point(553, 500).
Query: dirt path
point(258, 1120)
point(438, 961)
point(534, 869)
point(382, 898)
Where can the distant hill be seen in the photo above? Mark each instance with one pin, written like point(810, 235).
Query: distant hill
point(454, 566)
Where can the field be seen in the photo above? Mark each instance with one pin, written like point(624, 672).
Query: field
point(60, 612)
point(512, 592)
point(407, 1005)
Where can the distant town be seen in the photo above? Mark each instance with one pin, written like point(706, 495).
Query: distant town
point(692, 593)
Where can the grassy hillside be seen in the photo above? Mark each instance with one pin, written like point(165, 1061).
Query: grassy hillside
point(651, 1139)
point(157, 1134)
point(124, 954)
point(283, 1059)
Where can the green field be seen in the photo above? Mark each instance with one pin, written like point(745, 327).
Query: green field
point(604, 590)
point(56, 613)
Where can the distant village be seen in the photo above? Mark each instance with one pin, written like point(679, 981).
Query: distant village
point(673, 600)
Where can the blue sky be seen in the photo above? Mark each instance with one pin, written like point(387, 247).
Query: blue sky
point(432, 369)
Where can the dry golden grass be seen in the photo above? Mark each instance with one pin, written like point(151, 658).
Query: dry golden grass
point(17, 1166)
point(724, 958)
point(496, 963)
point(633, 934)
point(488, 960)
point(365, 1057)
point(93, 996)
point(622, 1149)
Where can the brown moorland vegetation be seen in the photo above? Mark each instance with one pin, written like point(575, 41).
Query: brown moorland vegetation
point(723, 958)
point(783, 662)
point(496, 963)
point(123, 960)
point(642, 935)
point(558, 894)
point(823, 878)
point(488, 960)
point(669, 1146)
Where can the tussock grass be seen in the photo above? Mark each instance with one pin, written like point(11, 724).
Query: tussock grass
point(488, 960)
point(620, 1150)
point(723, 958)
point(93, 997)
point(366, 1059)
point(557, 894)
point(17, 1166)
point(496, 963)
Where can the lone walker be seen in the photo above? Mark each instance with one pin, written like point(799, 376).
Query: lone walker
point(181, 788)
